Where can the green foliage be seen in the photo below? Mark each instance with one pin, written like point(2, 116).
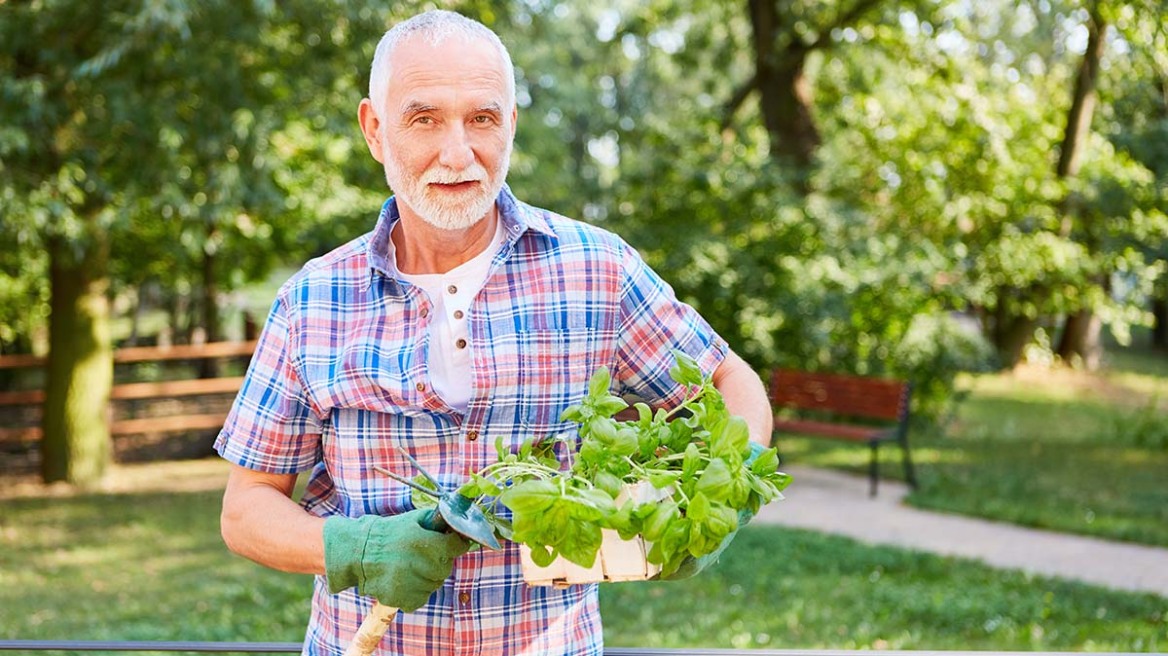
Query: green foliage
point(694, 454)
point(932, 352)
point(224, 133)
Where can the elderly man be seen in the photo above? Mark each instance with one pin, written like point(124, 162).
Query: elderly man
point(465, 316)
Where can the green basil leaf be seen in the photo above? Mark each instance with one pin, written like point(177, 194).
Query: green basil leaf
point(572, 413)
point(592, 454)
point(580, 542)
point(602, 429)
point(647, 442)
point(644, 415)
point(541, 555)
point(531, 496)
point(766, 463)
point(662, 480)
point(678, 435)
point(622, 521)
point(598, 384)
point(625, 442)
point(699, 508)
point(715, 480)
point(736, 437)
point(660, 520)
point(722, 520)
point(597, 499)
point(609, 405)
point(607, 482)
point(685, 369)
point(693, 460)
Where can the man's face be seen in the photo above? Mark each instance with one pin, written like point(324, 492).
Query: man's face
point(445, 130)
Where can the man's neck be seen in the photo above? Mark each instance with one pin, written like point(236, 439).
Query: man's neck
point(422, 248)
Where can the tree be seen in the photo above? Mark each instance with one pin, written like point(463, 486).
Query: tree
point(784, 35)
point(1081, 331)
point(136, 113)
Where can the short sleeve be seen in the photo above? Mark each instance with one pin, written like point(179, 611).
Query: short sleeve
point(272, 426)
point(654, 323)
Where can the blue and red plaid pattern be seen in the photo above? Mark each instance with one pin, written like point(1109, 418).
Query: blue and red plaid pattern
point(340, 378)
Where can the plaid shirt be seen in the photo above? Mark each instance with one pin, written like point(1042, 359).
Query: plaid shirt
point(340, 378)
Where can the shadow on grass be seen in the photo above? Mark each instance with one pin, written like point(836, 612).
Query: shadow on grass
point(782, 588)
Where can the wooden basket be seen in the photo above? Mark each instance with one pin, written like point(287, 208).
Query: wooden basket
point(618, 560)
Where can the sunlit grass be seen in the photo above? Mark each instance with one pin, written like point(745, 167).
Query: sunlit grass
point(780, 588)
point(145, 566)
point(1060, 449)
point(151, 566)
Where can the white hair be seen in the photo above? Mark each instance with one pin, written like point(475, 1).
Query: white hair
point(435, 26)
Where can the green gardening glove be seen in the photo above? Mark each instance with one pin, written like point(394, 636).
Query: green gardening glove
point(396, 559)
point(692, 566)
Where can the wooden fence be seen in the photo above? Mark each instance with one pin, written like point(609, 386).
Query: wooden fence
point(28, 432)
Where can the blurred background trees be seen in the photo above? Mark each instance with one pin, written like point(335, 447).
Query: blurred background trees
point(904, 187)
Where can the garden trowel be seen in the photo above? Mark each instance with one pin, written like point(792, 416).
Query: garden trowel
point(454, 513)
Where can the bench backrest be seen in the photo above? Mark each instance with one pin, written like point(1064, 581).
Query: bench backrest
point(856, 396)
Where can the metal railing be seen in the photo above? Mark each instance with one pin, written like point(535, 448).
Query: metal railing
point(294, 648)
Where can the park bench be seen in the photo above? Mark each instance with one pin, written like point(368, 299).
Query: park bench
point(845, 407)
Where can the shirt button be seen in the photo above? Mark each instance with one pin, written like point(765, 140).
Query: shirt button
point(472, 435)
point(461, 343)
point(458, 314)
point(464, 598)
point(425, 312)
point(452, 289)
point(421, 387)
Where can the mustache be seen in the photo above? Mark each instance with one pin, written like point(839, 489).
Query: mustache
point(443, 175)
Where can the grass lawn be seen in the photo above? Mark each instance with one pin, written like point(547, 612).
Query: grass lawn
point(144, 562)
point(1058, 449)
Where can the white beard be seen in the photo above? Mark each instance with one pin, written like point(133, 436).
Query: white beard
point(442, 213)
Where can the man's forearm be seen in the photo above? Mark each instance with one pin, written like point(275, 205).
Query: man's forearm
point(262, 523)
point(745, 396)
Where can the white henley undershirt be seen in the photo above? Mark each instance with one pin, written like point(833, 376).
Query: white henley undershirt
point(451, 295)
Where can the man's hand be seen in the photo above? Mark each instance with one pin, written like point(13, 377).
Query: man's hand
point(394, 559)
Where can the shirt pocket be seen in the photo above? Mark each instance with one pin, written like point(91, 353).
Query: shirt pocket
point(558, 365)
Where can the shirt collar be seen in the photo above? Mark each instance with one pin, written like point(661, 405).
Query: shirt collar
point(517, 218)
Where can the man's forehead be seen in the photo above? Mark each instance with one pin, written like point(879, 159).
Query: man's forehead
point(453, 56)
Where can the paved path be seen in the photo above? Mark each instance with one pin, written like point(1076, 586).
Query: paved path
point(835, 502)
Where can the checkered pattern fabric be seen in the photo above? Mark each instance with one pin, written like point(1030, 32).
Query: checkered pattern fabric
point(340, 378)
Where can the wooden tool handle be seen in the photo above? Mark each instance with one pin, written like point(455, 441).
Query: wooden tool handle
point(372, 630)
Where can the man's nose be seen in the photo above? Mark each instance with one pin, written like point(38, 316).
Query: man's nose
point(456, 151)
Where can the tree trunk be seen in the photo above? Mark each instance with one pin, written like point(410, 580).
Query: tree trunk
point(210, 367)
point(1160, 325)
point(76, 445)
point(1010, 334)
point(1080, 336)
point(1080, 340)
point(785, 95)
point(1083, 102)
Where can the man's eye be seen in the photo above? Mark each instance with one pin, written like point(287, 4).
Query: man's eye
point(425, 120)
point(482, 118)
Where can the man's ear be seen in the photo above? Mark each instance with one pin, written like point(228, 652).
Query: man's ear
point(371, 128)
point(514, 120)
